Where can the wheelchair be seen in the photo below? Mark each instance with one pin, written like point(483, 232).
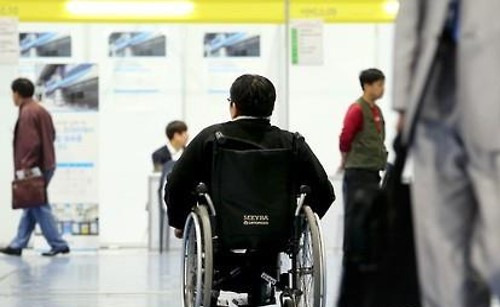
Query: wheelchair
point(251, 233)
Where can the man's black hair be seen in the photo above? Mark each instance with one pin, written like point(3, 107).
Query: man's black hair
point(24, 87)
point(174, 127)
point(253, 95)
point(369, 76)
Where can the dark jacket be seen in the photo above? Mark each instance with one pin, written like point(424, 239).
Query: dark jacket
point(161, 156)
point(194, 166)
point(34, 137)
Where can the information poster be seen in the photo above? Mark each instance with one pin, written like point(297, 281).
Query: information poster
point(9, 48)
point(139, 68)
point(141, 86)
point(306, 37)
point(219, 55)
point(229, 54)
point(70, 92)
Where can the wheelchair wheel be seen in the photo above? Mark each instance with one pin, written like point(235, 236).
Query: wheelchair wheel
point(197, 260)
point(310, 277)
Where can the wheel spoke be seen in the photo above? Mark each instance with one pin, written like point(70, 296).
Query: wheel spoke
point(309, 272)
point(305, 269)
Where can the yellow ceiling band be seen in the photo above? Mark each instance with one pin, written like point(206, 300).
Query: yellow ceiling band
point(198, 11)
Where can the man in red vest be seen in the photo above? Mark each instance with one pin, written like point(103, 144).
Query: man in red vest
point(363, 157)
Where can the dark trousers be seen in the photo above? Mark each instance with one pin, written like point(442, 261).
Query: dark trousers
point(359, 188)
point(242, 273)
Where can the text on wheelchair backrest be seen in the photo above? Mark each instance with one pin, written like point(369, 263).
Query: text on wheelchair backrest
point(255, 219)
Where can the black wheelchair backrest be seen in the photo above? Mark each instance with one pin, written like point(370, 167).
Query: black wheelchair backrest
point(253, 193)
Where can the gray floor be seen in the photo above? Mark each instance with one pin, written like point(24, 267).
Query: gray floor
point(122, 278)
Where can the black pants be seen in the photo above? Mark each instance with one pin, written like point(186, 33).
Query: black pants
point(242, 273)
point(359, 188)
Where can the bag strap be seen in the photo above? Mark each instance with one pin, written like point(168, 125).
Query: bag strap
point(407, 136)
point(404, 140)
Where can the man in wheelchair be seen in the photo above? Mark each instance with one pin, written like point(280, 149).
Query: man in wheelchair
point(262, 193)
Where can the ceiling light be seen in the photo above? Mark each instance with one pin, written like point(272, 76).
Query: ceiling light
point(391, 7)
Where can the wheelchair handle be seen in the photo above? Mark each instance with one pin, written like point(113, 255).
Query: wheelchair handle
point(201, 188)
point(305, 189)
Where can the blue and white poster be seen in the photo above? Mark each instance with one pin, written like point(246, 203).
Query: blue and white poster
point(70, 92)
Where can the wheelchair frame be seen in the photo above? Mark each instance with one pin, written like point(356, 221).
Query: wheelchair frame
point(305, 249)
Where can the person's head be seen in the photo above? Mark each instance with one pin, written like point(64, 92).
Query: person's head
point(252, 95)
point(22, 89)
point(177, 134)
point(372, 82)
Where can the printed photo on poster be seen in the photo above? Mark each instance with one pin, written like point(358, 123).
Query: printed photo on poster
point(76, 219)
point(71, 87)
point(137, 44)
point(44, 44)
point(233, 44)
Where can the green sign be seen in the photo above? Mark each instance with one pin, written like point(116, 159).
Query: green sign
point(295, 46)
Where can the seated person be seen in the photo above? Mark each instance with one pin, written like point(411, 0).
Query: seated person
point(177, 137)
point(251, 105)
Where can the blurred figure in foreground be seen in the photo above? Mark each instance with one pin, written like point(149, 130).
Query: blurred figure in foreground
point(447, 91)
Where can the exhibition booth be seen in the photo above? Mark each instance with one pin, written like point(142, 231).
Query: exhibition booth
point(113, 76)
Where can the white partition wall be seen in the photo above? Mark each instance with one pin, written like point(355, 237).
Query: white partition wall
point(139, 95)
point(320, 95)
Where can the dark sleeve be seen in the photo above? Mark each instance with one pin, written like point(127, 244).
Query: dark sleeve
point(156, 157)
point(312, 173)
point(47, 136)
point(28, 142)
point(182, 181)
point(160, 156)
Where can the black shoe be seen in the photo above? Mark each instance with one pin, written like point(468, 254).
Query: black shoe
point(54, 252)
point(11, 251)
